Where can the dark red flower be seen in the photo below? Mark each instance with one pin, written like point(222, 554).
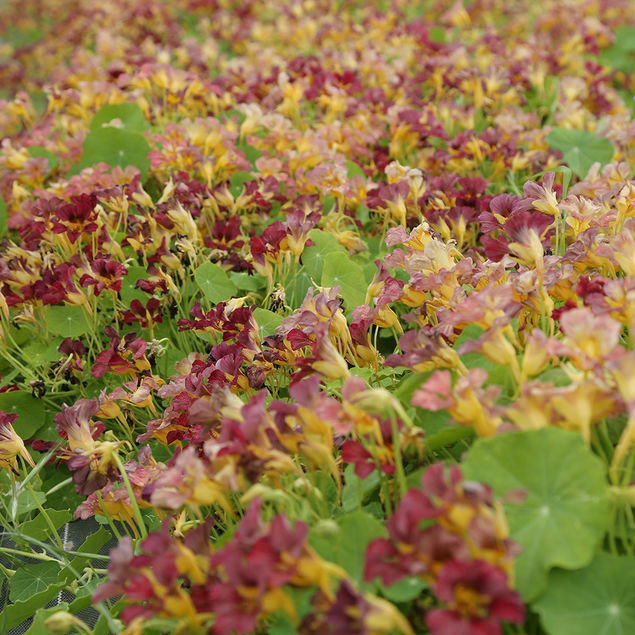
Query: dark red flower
point(108, 274)
point(478, 599)
point(76, 217)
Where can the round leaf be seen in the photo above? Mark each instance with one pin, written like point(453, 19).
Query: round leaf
point(314, 256)
point(116, 146)
point(38, 151)
point(580, 149)
point(129, 290)
point(30, 411)
point(214, 283)
point(348, 547)
point(28, 581)
point(268, 321)
point(565, 513)
point(597, 599)
point(67, 321)
point(129, 116)
point(339, 270)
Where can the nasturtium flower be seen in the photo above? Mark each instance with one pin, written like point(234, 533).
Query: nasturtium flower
point(11, 444)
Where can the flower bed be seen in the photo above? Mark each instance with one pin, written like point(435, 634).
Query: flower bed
point(323, 311)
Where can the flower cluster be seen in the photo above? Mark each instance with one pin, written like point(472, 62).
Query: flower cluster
point(263, 264)
point(452, 534)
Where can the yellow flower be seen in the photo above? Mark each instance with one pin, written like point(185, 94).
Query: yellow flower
point(11, 445)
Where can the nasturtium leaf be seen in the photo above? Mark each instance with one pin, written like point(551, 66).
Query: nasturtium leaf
point(599, 598)
point(347, 547)
point(26, 501)
point(444, 436)
point(314, 256)
point(354, 169)
point(126, 116)
point(565, 513)
point(356, 488)
point(38, 355)
point(246, 282)
point(31, 412)
point(129, 290)
point(621, 54)
point(281, 624)
point(92, 544)
point(403, 590)
point(38, 627)
point(67, 320)
point(297, 289)
point(14, 614)
point(339, 270)
point(39, 151)
point(251, 154)
point(580, 148)
point(38, 527)
point(115, 147)
point(237, 181)
point(214, 282)
point(3, 217)
point(329, 204)
point(28, 581)
point(268, 321)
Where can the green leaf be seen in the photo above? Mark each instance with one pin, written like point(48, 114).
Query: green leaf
point(245, 282)
point(355, 487)
point(339, 270)
point(26, 502)
point(38, 627)
point(580, 149)
point(621, 54)
point(115, 147)
point(449, 435)
point(129, 116)
point(314, 256)
point(30, 411)
point(565, 513)
point(214, 282)
point(39, 529)
point(237, 181)
point(67, 320)
point(597, 599)
point(129, 290)
point(348, 547)
point(297, 288)
point(251, 154)
point(3, 218)
point(354, 169)
point(39, 151)
point(404, 590)
point(14, 614)
point(92, 544)
point(38, 355)
point(32, 579)
point(268, 321)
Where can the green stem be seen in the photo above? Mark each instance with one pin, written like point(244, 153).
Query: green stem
point(59, 486)
point(47, 518)
point(31, 554)
point(7, 573)
point(396, 444)
point(133, 500)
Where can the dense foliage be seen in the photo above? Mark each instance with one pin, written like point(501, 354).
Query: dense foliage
point(325, 309)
